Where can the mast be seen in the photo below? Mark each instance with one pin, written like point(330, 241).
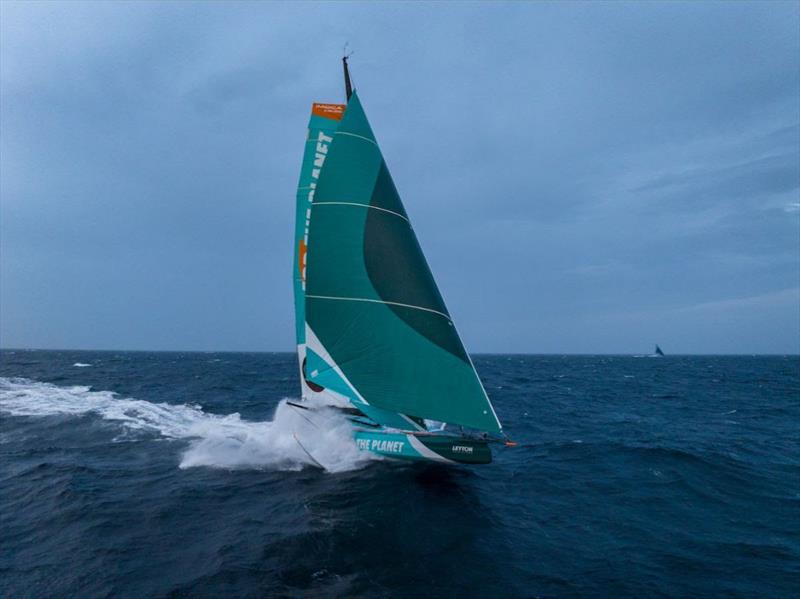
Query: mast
point(348, 88)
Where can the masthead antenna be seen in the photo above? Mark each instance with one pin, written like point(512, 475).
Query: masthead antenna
point(348, 87)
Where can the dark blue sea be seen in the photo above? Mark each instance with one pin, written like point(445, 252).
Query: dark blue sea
point(132, 474)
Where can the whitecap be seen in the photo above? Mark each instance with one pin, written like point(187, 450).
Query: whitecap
point(215, 440)
point(81, 365)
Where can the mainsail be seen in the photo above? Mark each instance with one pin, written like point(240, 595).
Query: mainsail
point(372, 325)
point(324, 121)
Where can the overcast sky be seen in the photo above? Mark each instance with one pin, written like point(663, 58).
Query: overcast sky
point(582, 177)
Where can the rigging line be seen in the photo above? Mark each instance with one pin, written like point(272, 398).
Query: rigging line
point(414, 424)
point(374, 301)
point(308, 453)
point(363, 206)
point(301, 415)
point(372, 141)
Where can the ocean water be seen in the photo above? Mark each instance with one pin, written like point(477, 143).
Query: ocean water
point(133, 474)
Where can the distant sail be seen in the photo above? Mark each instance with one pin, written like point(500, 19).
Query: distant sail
point(658, 351)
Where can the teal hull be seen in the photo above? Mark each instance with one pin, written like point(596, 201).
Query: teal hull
point(424, 447)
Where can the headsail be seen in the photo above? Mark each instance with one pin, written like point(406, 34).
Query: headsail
point(378, 331)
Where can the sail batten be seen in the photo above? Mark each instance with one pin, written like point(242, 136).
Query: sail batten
point(364, 299)
point(362, 206)
point(372, 141)
point(379, 333)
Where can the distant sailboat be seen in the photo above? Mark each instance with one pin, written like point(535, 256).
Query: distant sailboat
point(658, 352)
point(373, 334)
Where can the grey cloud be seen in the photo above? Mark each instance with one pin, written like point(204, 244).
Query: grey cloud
point(564, 165)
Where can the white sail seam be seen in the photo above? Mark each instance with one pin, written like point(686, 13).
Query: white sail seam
point(372, 141)
point(363, 206)
point(374, 301)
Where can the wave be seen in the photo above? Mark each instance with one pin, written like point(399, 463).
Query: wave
point(216, 441)
point(81, 365)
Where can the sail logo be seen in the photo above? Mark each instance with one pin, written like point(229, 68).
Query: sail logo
point(328, 111)
point(319, 157)
point(381, 445)
point(320, 154)
point(301, 256)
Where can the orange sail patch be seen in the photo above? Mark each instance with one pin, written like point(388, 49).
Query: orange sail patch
point(301, 258)
point(328, 111)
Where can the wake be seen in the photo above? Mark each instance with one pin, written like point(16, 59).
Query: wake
point(215, 441)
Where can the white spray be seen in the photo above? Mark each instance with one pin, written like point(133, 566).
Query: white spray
point(214, 440)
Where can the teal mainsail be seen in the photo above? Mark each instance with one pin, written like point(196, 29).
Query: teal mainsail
point(372, 327)
point(324, 121)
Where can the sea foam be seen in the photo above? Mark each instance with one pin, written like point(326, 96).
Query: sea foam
point(293, 439)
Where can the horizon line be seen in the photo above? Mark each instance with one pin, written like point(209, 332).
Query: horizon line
point(478, 353)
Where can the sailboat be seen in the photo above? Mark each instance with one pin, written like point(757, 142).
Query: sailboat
point(658, 353)
point(374, 337)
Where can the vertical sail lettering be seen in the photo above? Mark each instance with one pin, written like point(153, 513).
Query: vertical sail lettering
point(319, 159)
